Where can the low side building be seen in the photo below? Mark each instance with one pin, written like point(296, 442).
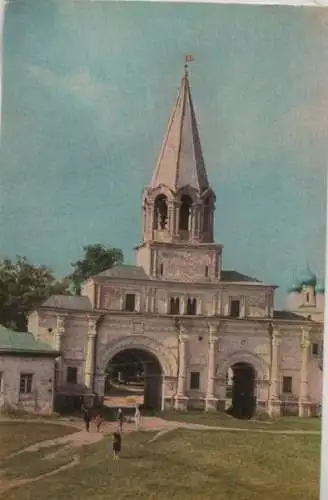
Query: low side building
point(27, 373)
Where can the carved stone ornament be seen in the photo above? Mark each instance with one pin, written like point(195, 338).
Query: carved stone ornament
point(60, 326)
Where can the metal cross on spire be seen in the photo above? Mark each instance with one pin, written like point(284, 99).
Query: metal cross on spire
point(188, 58)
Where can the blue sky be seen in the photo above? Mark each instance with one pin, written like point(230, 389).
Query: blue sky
point(87, 91)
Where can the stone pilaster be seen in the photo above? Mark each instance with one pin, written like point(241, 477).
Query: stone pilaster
point(274, 391)
point(211, 400)
point(304, 406)
point(176, 218)
point(170, 218)
point(90, 357)
point(59, 332)
point(181, 399)
point(183, 305)
point(243, 307)
point(138, 302)
point(58, 346)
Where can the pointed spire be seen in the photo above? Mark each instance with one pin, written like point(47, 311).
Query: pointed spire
point(181, 161)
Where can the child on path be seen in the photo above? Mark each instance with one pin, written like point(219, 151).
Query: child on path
point(120, 418)
point(117, 444)
point(98, 421)
point(137, 417)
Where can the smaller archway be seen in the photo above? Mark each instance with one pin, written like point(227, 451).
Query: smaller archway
point(185, 213)
point(243, 390)
point(134, 376)
point(160, 213)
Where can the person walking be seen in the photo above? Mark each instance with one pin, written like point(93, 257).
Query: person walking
point(120, 418)
point(98, 421)
point(117, 444)
point(137, 417)
point(86, 416)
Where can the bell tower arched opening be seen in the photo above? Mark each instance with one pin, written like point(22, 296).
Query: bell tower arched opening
point(134, 376)
point(185, 213)
point(160, 219)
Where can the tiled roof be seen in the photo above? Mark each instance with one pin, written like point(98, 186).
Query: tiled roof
point(124, 271)
point(289, 315)
point(22, 342)
point(235, 276)
point(76, 302)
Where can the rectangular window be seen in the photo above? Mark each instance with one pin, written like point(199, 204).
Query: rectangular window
point(235, 308)
point(315, 349)
point(71, 375)
point(161, 269)
point(194, 380)
point(206, 271)
point(191, 307)
point(174, 305)
point(1, 381)
point(287, 385)
point(25, 383)
point(130, 302)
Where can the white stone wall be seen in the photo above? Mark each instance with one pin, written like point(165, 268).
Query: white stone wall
point(43, 327)
point(238, 340)
point(143, 258)
point(33, 322)
point(255, 301)
point(89, 290)
point(41, 399)
point(188, 265)
point(73, 348)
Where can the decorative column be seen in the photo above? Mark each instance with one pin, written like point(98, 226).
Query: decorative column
point(199, 306)
point(176, 218)
point(170, 218)
point(181, 400)
point(304, 406)
point(90, 357)
point(138, 302)
point(183, 305)
point(243, 307)
point(211, 400)
point(274, 390)
point(58, 346)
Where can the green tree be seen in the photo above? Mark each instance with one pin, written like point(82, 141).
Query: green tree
point(97, 258)
point(23, 287)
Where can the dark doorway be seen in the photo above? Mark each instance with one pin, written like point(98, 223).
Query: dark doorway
point(243, 391)
point(134, 376)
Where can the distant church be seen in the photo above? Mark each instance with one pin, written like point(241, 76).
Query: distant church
point(208, 338)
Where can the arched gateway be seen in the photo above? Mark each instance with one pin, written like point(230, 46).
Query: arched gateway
point(133, 367)
point(247, 369)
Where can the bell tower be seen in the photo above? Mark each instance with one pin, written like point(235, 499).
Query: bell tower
point(178, 204)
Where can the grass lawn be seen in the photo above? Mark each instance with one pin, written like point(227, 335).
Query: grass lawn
point(189, 464)
point(223, 420)
point(17, 435)
point(32, 464)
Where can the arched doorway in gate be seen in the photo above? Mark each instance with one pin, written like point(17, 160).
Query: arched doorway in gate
point(243, 390)
point(134, 376)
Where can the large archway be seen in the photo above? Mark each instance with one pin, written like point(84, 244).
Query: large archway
point(243, 390)
point(134, 376)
